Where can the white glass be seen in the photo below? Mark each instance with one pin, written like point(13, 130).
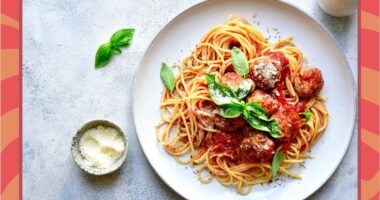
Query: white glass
point(338, 8)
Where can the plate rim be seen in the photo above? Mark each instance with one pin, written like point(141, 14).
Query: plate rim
point(291, 5)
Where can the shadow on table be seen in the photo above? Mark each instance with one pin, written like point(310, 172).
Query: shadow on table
point(338, 26)
point(103, 181)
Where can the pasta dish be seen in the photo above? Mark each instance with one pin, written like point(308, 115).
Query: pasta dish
point(241, 109)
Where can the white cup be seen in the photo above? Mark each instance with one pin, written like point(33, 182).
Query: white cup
point(338, 8)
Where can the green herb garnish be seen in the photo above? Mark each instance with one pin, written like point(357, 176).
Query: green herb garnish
point(230, 105)
point(244, 88)
point(307, 113)
point(103, 55)
point(257, 110)
point(276, 162)
point(221, 94)
point(230, 110)
point(121, 38)
point(167, 77)
point(255, 121)
point(239, 61)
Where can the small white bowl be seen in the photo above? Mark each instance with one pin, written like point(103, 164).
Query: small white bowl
point(83, 163)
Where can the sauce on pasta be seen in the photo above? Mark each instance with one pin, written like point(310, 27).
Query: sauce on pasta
point(231, 150)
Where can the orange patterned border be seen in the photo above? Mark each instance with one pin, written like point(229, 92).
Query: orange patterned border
point(11, 109)
point(369, 104)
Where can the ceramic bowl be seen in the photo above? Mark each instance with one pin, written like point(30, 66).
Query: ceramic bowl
point(86, 165)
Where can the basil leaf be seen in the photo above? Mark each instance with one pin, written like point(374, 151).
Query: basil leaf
point(257, 110)
point(244, 88)
point(307, 113)
point(275, 129)
point(230, 110)
point(255, 115)
point(255, 122)
point(167, 77)
point(210, 78)
point(103, 55)
point(239, 61)
point(122, 38)
point(276, 162)
point(116, 50)
point(221, 94)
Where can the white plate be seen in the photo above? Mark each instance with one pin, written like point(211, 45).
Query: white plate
point(179, 37)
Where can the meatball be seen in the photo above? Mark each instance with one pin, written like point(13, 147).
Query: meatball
point(231, 79)
point(288, 120)
point(257, 146)
point(308, 82)
point(278, 56)
point(265, 74)
point(270, 104)
point(228, 124)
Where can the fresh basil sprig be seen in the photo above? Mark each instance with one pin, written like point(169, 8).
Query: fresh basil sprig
point(261, 122)
point(230, 110)
point(121, 38)
point(221, 94)
point(255, 121)
point(103, 55)
point(230, 105)
point(239, 61)
point(276, 162)
point(275, 129)
point(307, 113)
point(257, 110)
point(244, 88)
point(167, 77)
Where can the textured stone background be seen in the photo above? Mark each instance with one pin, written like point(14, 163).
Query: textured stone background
point(61, 91)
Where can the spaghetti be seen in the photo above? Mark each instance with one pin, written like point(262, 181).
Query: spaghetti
point(189, 130)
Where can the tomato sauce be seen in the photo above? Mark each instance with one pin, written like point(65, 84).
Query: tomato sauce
point(300, 106)
point(281, 95)
point(278, 56)
point(285, 145)
point(221, 142)
point(185, 140)
point(172, 149)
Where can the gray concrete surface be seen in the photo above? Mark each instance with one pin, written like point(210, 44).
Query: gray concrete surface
point(61, 91)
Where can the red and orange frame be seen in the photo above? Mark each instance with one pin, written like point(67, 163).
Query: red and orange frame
point(11, 100)
point(369, 99)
